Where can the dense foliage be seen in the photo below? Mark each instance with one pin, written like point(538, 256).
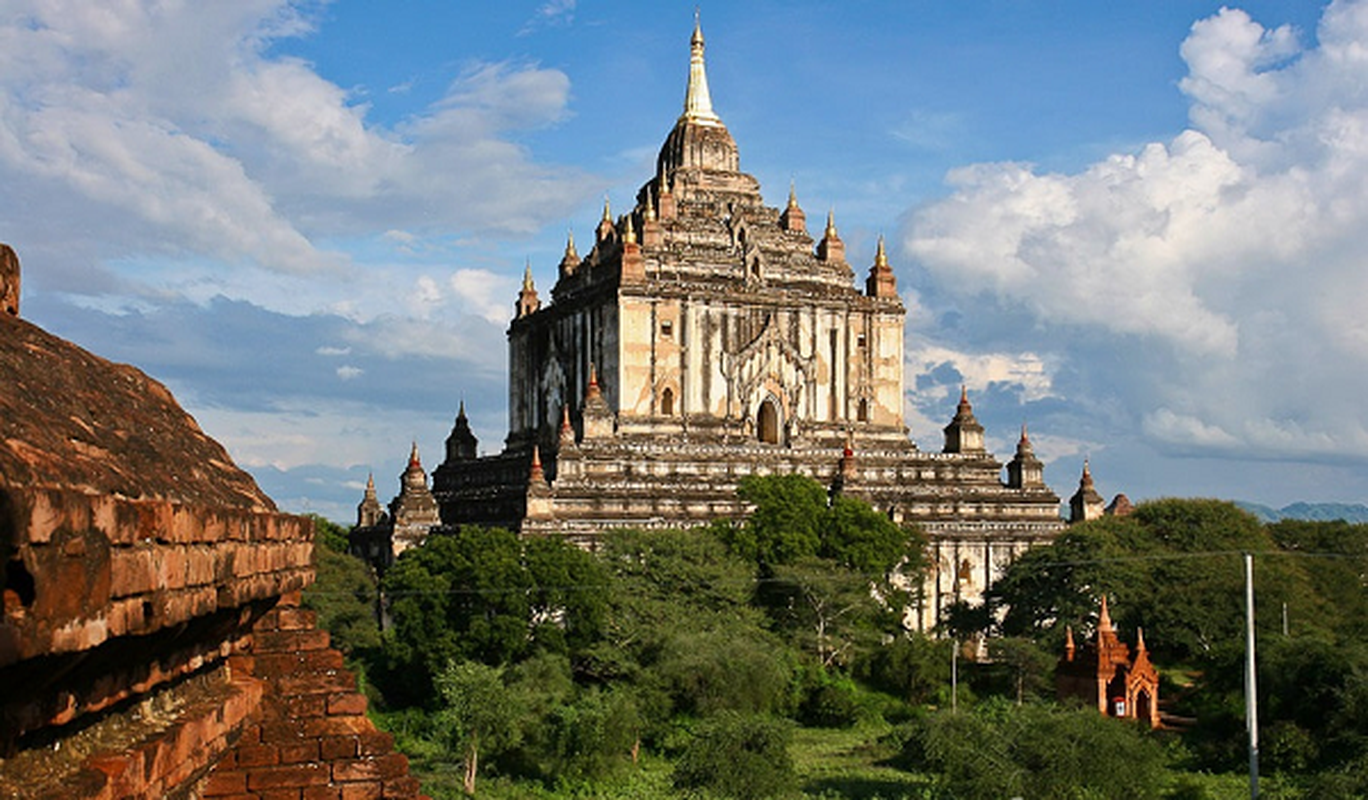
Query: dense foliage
point(698, 663)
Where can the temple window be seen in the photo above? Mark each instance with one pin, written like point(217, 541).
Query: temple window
point(667, 403)
point(862, 411)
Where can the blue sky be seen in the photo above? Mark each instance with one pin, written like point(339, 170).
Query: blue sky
point(1141, 228)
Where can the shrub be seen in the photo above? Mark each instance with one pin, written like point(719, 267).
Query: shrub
point(740, 756)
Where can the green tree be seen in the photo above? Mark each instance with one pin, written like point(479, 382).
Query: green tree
point(478, 714)
point(343, 592)
point(829, 610)
point(1334, 558)
point(787, 523)
point(740, 756)
point(486, 595)
point(912, 667)
point(666, 583)
point(1000, 750)
point(857, 537)
point(1028, 667)
point(1172, 568)
point(728, 669)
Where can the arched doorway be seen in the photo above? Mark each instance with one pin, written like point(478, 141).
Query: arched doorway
point(767, 422)
point(1143, 706)
point(667, 403)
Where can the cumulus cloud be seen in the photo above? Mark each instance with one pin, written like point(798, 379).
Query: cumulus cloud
point(177, 130)
point(1208, 287)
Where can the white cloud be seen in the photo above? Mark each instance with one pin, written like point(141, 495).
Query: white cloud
point(484, 293)
point(175, 130)
point(553, 13)
point(347, 372)
point(1211, 286)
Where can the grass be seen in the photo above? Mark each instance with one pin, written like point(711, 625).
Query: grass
point(847, 763)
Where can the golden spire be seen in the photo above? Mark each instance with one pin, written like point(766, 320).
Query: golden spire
point(527, 276)
point(793, 195)
point(697, 101)
point(570, 245)
point(881, 257)
point(831, 224)
point(629, 233)
point(607, 212)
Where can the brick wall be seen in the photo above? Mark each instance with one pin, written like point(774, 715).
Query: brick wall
point(310, 738)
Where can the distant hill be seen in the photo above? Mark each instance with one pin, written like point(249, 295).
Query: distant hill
point(1315, 512)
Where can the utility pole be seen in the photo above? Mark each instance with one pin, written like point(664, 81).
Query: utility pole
point(954, 677)
point(1251, 688)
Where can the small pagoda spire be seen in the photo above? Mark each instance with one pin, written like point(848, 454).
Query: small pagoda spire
point(881, 282)
point(1139, 641)
point(793, 218)
point(369, 512)
point(605, 228)
point(697, 102)
point(652, 235)
point(628, 230)
point(527, 296)
point(666, 198)
point(592, 390)
point(1069, 648)
point(537, 474)
point(567, 431)
point(596, 415)
point(414, 461)
point(571, 260)
point(831, 248)
point(1104, 620)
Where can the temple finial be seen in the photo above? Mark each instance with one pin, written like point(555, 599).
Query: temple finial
point(527, 276)
point(881, 256)
point(697, 102)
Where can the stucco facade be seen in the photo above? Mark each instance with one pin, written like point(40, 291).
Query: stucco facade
point(705, 336)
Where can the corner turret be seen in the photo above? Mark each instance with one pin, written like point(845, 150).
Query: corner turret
point(1086, 503)
point(881, 282)
point(461, 445)
point(964, 434)
point(1025, 471)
